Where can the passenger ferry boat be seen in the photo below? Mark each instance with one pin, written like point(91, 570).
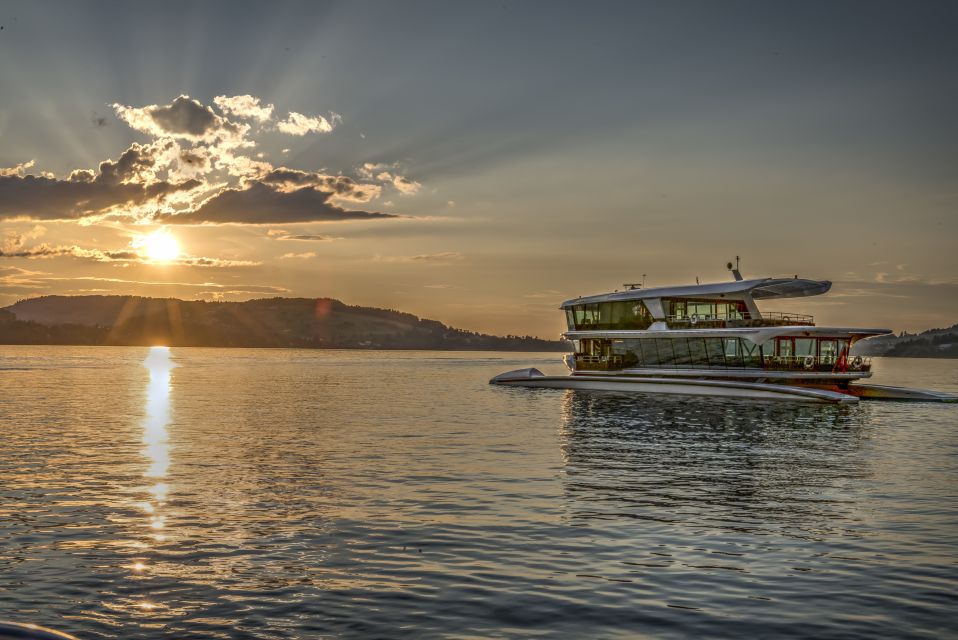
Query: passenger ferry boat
point(712, 339)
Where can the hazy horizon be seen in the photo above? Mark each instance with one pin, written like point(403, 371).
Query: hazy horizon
point(479, 164)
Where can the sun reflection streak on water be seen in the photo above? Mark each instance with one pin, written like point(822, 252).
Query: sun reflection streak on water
point(155, 435)
point(157, 449)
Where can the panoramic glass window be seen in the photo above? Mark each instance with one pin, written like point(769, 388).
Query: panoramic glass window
point(843, 347)
point(715, 348)
point(828, 351)
point(620, 315)
point(698, 353)
point(666, 352)
point(650, 355)
point(733, 352)
point(629, 350)
point(804, 347)
point(683, 358)
point(751, 354)
point(785, 349)
point(681, 308)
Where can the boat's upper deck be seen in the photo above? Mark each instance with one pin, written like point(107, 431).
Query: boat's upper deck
point(756, 288)
point(723, 305)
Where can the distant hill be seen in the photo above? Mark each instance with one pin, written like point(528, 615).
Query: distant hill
point(934, 343)
point(275, 322)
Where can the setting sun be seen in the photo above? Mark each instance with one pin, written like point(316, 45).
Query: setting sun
point(160, 246)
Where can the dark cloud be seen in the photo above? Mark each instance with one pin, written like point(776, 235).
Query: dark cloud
point(49, 251)
point(183, 118)
point(282, 234)
point(126, 181)
point(342, 186)
point(260, 203)
point(304, 237)
point(136, 164)
point(163, 180)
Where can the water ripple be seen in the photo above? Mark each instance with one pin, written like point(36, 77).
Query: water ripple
point(198, 493)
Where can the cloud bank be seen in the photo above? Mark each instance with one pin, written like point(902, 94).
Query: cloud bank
point(200, 167)
point(260, 203)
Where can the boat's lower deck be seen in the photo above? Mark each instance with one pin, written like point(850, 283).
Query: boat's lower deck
point(751, 375)
point(802, 391)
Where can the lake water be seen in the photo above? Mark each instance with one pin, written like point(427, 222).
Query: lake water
point(201, 493)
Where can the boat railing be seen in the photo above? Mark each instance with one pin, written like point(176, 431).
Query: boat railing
point(827, 363)
point(812, 363)
point(598, 363)
point(736, 319)
point(788, 318)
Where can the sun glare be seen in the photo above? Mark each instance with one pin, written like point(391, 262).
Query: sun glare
point(160, 246)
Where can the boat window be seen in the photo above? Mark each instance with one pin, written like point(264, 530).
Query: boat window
point(570, 319)
point(603, 316)
point(628, 350)
point(705, 309)
point(785, 349)
point(804, 347)
point(683, 358)
point(768, 350)
point(630, 314)
point(716, 351)
point(751, 355)
point(666, 353)
point(592, 314)
point(626, 314)
point(828, 351)
point(843, 348)
point(698, 353)
point(578, 312)
point(650, 355)
point(733, 352)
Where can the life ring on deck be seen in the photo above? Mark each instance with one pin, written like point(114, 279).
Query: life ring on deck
point(694, 318)
point(857, 361)
point(809, 362)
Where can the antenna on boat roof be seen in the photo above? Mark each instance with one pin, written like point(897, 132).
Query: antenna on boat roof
point(735, 271)
point(631, 286)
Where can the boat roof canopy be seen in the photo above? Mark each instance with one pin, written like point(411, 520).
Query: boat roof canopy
point(757, 288)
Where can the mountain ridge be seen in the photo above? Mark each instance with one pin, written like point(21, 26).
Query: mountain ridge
point(933, 343)
point(264, 322)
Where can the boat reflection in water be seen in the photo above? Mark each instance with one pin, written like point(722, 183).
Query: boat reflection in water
point(730, 465)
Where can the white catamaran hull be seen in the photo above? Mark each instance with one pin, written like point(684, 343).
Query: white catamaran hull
point(725, 388)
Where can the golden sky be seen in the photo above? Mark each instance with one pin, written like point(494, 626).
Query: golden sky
point(480, 164)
